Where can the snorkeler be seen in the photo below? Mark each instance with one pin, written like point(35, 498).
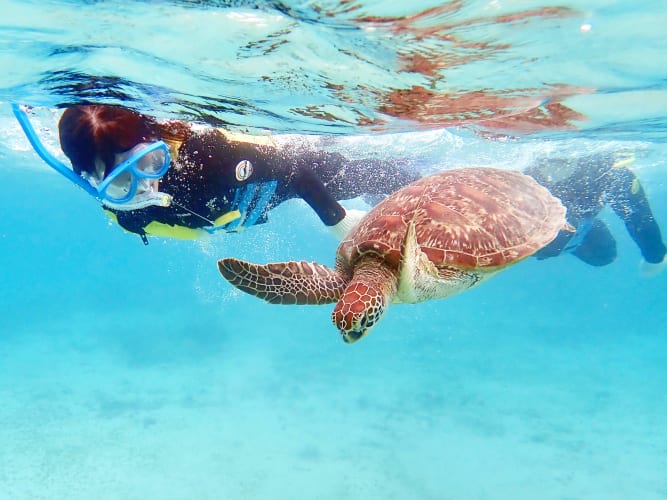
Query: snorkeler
point(173, 179)
point(585, 186)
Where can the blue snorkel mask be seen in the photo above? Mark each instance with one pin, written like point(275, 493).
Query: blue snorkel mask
point(133, 181)
point(131, 185)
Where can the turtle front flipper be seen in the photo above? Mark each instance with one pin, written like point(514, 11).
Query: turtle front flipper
point(285, 282)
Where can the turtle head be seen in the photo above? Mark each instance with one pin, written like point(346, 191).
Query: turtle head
point(358, 310)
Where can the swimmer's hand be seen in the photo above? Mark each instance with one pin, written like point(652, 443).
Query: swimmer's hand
point(648, 270)
point(351, 219)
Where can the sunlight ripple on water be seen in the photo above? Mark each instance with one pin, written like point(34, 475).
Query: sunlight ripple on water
point(347, 67)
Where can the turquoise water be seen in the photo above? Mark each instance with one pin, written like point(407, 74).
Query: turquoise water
point(138, 372)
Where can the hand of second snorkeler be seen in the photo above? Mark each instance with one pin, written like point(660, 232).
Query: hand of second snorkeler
point(351, 219)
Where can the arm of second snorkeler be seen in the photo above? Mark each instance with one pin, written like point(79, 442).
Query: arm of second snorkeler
point(313, 191)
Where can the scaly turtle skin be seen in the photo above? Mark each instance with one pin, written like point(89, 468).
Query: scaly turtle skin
point(434, 238)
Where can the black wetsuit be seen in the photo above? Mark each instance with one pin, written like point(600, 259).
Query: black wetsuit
point(205, 180)
point(585, 186)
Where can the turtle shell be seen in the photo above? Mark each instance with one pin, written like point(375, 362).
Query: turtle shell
point(471, 218)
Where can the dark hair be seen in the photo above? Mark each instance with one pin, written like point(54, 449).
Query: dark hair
point(88, 132)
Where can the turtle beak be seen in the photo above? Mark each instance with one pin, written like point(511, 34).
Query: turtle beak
point(351, 336)
point(352, 326)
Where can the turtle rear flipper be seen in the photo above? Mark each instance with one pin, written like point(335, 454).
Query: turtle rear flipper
point(285, 282)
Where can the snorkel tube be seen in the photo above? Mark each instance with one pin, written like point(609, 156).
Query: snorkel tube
point(142, 201)
point(45, 155)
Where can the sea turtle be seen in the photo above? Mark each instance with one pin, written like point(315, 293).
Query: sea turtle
point(431, 239)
